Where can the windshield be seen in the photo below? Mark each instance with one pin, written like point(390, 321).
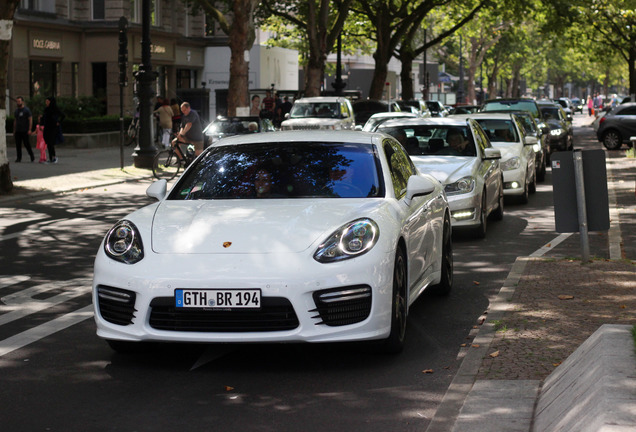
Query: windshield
point(550, 113)
point(499, 130)
point(322, 109)
point(521, 105)
point(433, 140)
point(283, 170)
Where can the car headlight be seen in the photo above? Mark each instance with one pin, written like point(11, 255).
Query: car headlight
point(123, 243)
point(556, 132)
point(510, 164)
point(461, 186)
point(351, 240)
point(536, 147)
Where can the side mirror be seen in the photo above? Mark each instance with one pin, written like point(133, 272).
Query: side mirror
point(491, 153)
point(418, 186)
point(157, 190)
point(568, 117)
point(286, 116)
point(357, 127)
point(530, 140)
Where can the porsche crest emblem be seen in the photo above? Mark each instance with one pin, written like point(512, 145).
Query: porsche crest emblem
point(227, 244)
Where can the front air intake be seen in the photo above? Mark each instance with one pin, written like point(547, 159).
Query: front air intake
point(116, 305)
point(343, 306)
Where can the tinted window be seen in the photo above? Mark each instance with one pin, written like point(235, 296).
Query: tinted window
point(521, 105)
point(431, 139)
point(499, 130)
point(400, 165)
point(296, 170)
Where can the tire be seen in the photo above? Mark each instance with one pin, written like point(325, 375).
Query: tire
point(499, 213)
point(542, 168)
point(480, 231)
point(394, 344)
point(166, 165)
point(523, 199)
point(444, 287)
point(532, 188)
point(612, 139)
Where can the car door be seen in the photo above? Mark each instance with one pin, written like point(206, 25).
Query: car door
point(416, 216)
point(488, 170)
point(527, 151)
point(627, 122)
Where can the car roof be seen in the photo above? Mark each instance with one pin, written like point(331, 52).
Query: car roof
point(356, 137)
point(393, 114)
point(419, 121)
point(487, 115)
point(508, 99)
point(320, 99)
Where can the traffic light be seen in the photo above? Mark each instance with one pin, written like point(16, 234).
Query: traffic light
point(123, 51)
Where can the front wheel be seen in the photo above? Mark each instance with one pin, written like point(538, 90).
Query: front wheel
point(395, 342)
point(166, 165)
point(612, 140)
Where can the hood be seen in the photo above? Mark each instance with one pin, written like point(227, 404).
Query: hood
point(250, 226)
point(446, 169)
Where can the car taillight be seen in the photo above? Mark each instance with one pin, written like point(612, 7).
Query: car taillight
point(600, 122)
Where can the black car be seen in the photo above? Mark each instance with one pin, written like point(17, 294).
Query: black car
point(363, 109)
point(617, 126)
point(561, 135)
point(436, 108)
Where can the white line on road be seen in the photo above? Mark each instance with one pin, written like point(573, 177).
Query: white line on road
point(40, 332)
point(551, 245)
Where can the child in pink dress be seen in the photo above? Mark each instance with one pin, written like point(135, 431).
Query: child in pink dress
point(41, 144)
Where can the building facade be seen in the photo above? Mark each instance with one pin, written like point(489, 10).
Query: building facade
point(70, 48)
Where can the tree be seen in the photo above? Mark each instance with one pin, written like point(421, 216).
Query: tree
point(236, 19)
point(321, 21)
point(7, 10)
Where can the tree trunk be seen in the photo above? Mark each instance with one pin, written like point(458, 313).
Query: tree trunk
point(406, 76)
point(7, 10)
point(241, 40)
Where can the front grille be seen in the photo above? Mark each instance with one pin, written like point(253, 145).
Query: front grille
point(116, 305)
point(343, 306)
point(275, 314)
point(304, 127)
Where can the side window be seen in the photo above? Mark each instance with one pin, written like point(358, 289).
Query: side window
point(401, 167)
point(481, 139)
point(628, 111)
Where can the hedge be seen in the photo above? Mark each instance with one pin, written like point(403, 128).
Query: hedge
point(108, 123)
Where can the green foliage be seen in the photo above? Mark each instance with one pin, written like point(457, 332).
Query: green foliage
point(80, 108)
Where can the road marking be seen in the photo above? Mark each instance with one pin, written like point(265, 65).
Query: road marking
point(7, 281)
point(40, 332)
point(551, 245)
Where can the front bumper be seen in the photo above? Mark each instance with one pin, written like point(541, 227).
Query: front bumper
point(514, 181)
point(465, 209)
point(286, 284)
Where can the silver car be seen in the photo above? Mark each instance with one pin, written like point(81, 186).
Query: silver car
point(469, 169)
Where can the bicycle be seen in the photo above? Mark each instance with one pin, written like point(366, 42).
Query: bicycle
point(169, 162)
point(132, 132)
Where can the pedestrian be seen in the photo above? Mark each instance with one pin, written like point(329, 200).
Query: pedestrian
point(41, 144)
point(255, 108)
point(268, 103)
point(287, 105)
point(191, 130)
point(22, 125)
point(590, 105)
point(52, 119)
point(165, 122)
point(176, 115)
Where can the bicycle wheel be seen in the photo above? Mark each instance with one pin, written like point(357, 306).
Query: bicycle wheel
point(166, 165)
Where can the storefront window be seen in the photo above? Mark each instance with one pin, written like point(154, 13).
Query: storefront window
point(100, 81)
point(186, 78)
point(44, 78)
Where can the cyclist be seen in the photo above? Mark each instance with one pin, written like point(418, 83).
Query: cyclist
point(191, 130)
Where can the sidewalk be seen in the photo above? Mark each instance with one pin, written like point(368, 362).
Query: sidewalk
point(76, 169)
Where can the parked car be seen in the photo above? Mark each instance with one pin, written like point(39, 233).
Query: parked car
point(506, 133)
point(566, 104)
point(618, 126)
point(418, 105)
point(223, 126)
point(465, 109)
point(578, 105)
point(322, 112)
point(280, 237)
point(542, 149)
point(376, 119)
point(365, 108)
point(513, 104)
point(472, 178)
point(561, 131)
point(437, 108)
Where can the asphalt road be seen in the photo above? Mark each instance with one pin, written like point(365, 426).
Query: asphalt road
point(56, 375)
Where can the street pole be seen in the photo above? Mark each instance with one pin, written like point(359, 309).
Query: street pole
point(581, 205)
point(123, 81)
point(460, 90)
point(145, 151)
point(339, 84)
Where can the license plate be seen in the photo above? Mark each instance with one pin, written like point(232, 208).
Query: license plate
point(218, 299)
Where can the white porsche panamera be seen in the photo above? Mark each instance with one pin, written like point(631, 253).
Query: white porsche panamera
point(280, 237)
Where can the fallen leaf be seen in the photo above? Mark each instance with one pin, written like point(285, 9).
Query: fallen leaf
point(548, 245)
point(556, 364)
point(462, 345)
point(447, 367)
point(623, 307)
point(228, 388)
point(565, 297)
point(476, 283)
point(495, 354)
point(475, 345)
point(427, 371)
